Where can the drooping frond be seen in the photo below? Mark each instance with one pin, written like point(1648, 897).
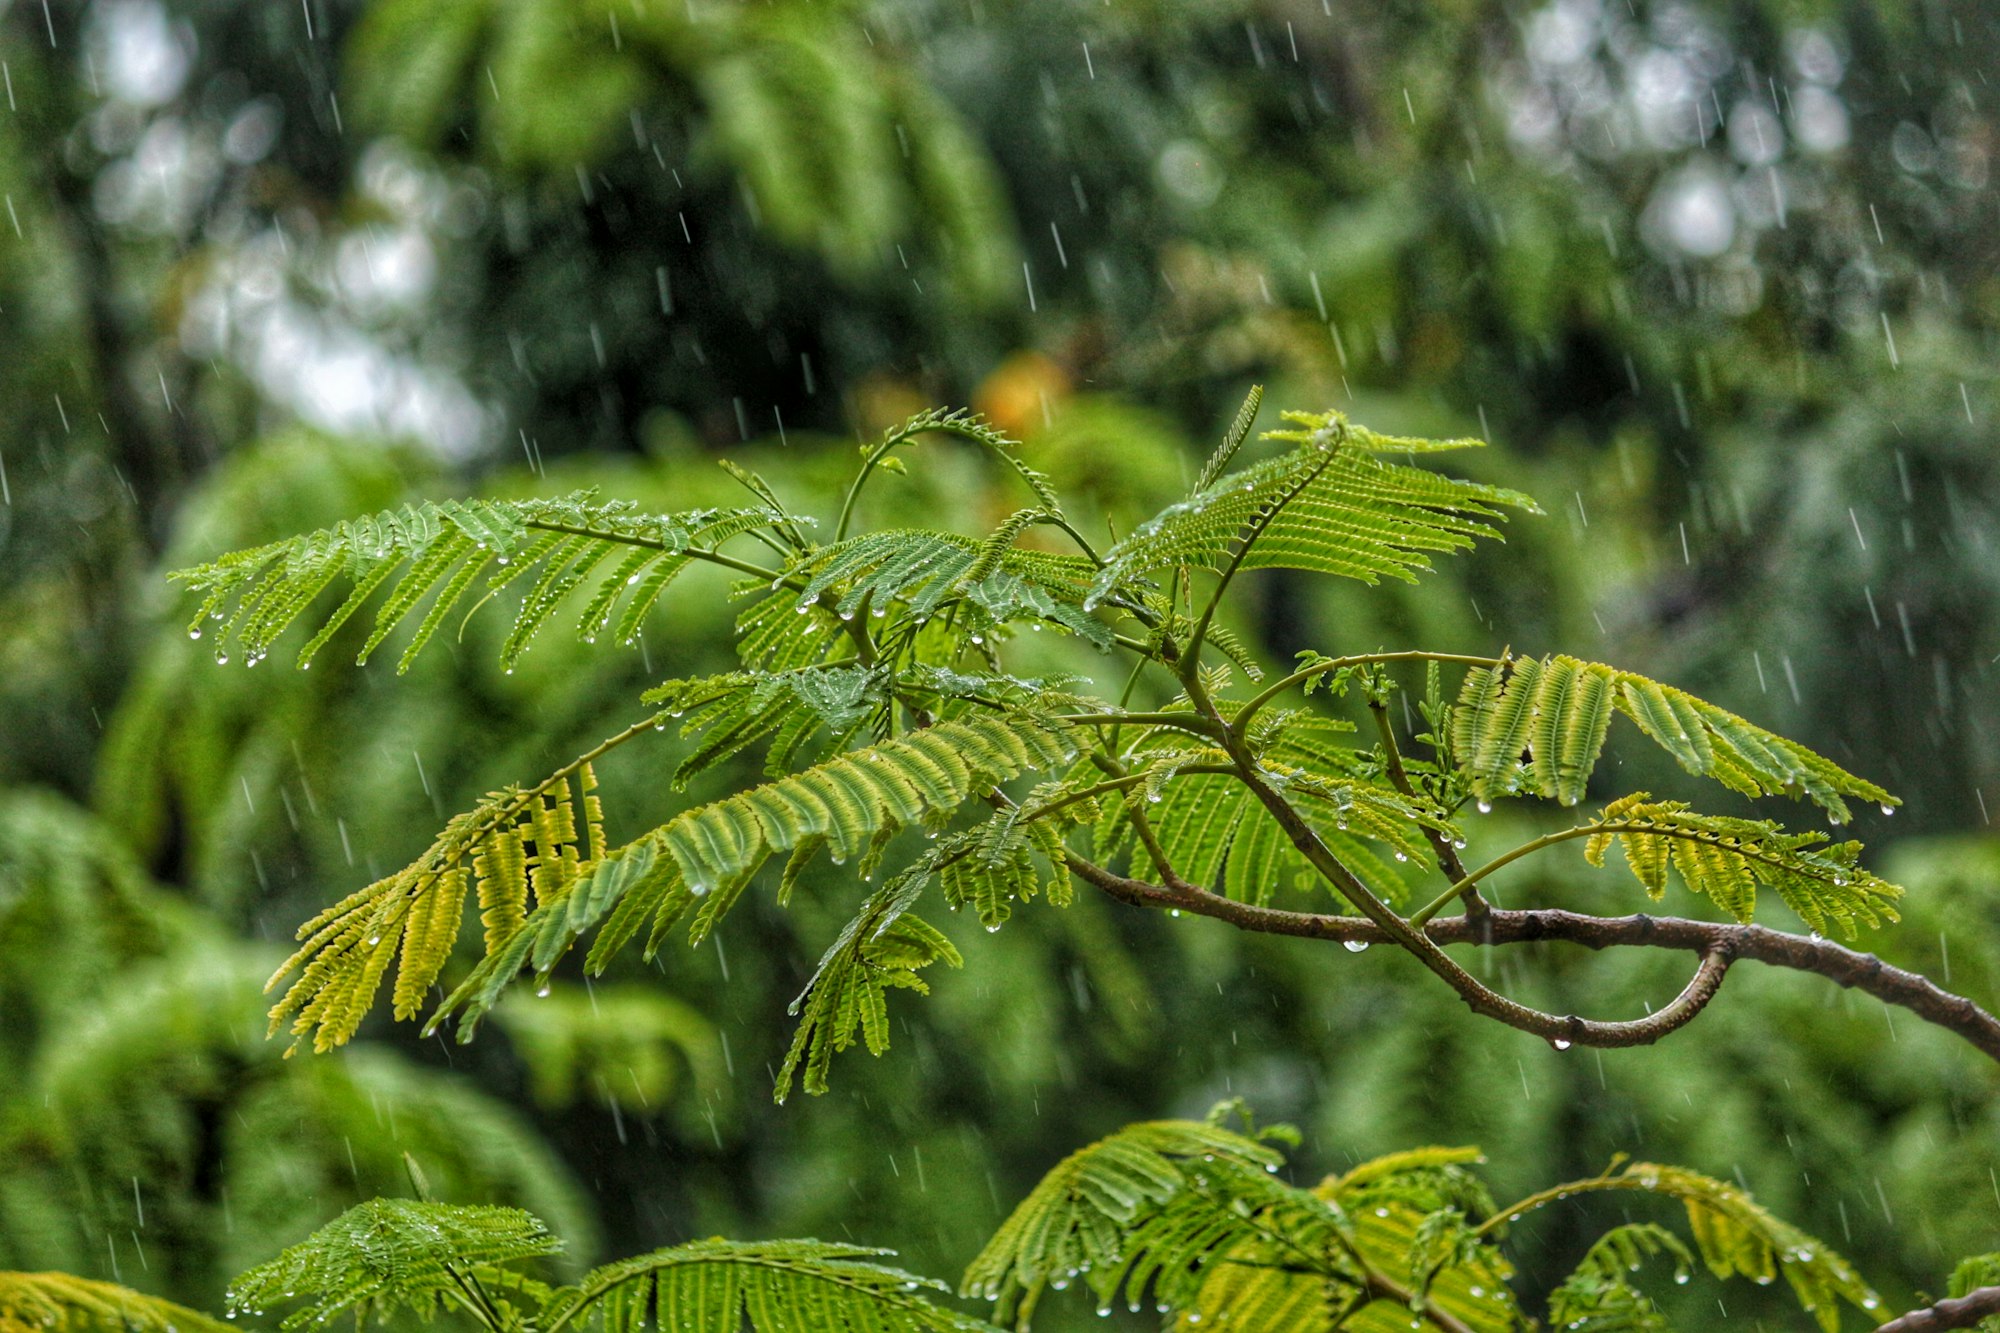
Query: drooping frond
point(59, 1303)
point(1727, 859)
point(1074, 1223)
point(432, 554)
point(1599, 1296)
point(697, 865)
point(882, 948)
point(992, 866)
point(931, 571)
point(391, 1254)
point(1330, 506)
point(782, 1286)
point(1538, 724)
point(1734, 1235)
point(517, 851)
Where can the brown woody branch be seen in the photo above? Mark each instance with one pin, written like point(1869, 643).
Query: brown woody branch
point(1717, 944)
point(1960, 1312)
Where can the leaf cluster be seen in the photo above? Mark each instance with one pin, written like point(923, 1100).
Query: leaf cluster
point(877, 679)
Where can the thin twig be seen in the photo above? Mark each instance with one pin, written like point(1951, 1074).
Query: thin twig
point(1959, 1312)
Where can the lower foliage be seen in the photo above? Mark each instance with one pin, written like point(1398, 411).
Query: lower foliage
point(1190, 1219)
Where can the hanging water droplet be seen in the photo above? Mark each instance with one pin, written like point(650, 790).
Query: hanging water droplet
point(1560, 1043)
point(222, 659)
point(1355, 946)
point(1486, 807)
point(542, 991)
point(1888, 809)
point(196, 634)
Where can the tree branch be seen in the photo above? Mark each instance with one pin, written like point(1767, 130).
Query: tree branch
point(1960, 1312)
point(1560, 1031)
point(1728, 942)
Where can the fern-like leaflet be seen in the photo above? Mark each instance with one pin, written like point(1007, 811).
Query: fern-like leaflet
point(1074, 1224)
point(724, 1286)
point(441, 550)
point(393, 1255)
point(1733, 1234)
point(1189, 1215)
point(1599, 1296)
point(1727, 860)
point(1330, 506)
point(59, 1303)
point(1539, 724)
point(701, 861)
point(388, 1255)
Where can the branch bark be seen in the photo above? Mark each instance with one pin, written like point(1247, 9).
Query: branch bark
point(1960, 1312)
point(1718, 944)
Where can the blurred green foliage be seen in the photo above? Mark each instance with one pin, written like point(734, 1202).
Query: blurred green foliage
point(1718, 278)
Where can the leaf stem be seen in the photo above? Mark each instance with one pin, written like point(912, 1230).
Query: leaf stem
point(1556, 1194)
point(1259, 524)
point(1745, 850)
point(652, 544)
point(1278, 687)
point(1194, 722)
